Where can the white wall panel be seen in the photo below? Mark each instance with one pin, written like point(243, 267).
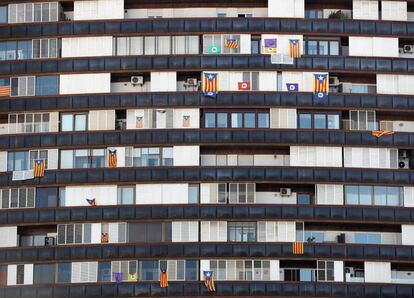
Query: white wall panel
point(174, 193)
point(96, 230)
point(163, 81)
point(408, 196)
point(85, 83)
point(274, 270)
point(383, 158)
point(87, 46)
point(54, 121)
point(377, 272)
point(407, 234)
point(286, 9)
point(8, 236)
point(11, 275)
point(365, 9)
point(394, 10)
point(329, 194)
point(3, 161)
point(28, 274)
point(245, 44)
point(193, 114)
point(373, 46)
point(268, 81)
point(104, 195)
point(186, 155)
point(339, 271)
point(98, 10)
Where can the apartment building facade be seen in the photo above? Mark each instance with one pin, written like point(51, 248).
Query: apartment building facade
point(190, 149)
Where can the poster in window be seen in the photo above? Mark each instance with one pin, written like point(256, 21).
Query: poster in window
point(186, 121)
point(139, 122)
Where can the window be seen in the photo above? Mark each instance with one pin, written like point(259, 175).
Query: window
point(3, 14)
point(33, 12)
point(126, 195)
point(104, 272)
point(321, 47)
point(82, 158)
point(47, 85)
point(23, 86)
point(374, 195)
point(127, 268)
point(64, 272)
point(325, 271)
point(32, 240)
point(22, 197)
point(29, 122)
point(303, 198)
point(313, 14)
point(241, 193)
point(74, 122)
point(43, 273)
point(318, 120)
point(252, 78)
point(241, 269)
point(368, 238)
point(216, 44)
point(153, 156)
point(193, 193)
point(74, 233)
point(11, 50)
point(45, 48)
point(20, 275)
point(362, 120)
point(251, 119)
point(312, 236)
point(24, 160)
point(47, 197)
point(149, 232)
point(149, 270)
point(241, 231)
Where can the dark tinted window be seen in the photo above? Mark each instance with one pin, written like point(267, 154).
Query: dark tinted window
point(44, 274)
point(46, 197)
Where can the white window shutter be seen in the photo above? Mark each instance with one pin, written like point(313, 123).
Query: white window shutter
point(76, 272)
point(176, 231)
point(113, 232)
point(193, 231)
point(93, 272)
point(172, 269)
point(205, 231)
point(231, 270)
point(270, 231)
point(222, 230)
point(261, 234)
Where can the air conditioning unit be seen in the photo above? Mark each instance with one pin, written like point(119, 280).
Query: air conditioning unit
point(137, 80)
point(345, 87)
point(386, 125)
point(333, 81)
point(49, 241)
point(408, 48)
point(285, 192)
point(192, 82)
point(341, 238)
point(403, 159)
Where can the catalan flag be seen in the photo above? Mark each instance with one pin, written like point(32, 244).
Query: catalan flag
point(91, 202)
point(320, 85)
point(138, 122)
point(163, 279)
point(297, 248)
point(294, 47)
point(186, 121)
point(210, 84)
point(231, 43)
point(380, 133)
point(209, 281)
point(39, 168)
point(4, 90)
point(112, 160)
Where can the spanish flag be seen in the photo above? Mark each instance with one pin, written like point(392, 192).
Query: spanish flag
point(380, 133)
point(112, 160)
point(163, 279)
point(39, 168)
point(297, 248)
point(209, 281)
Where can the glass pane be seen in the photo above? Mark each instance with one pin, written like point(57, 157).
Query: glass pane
point(210, 120)
point(193, 193)
point(333, 48)
point(104, 271)
point(249, 120)
point(323, 48)
point(222, 120)
point(380, 195)
point(319, 121)
point(333, 121)
point(46, 85)
point(236, 120)
point(80, 122)
point(305, 121)
point(67, 122)
point(263, 120)
point(392, 196)
point(312, 47)
point(352, 194)
point(365, 195)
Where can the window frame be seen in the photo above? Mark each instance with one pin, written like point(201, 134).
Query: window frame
point(313, 114)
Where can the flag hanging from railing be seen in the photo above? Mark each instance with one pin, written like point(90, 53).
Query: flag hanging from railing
point(209, 281)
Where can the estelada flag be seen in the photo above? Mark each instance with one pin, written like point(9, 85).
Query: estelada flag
point(243, 85)
point(112, 160)
point(163, 279)
point(380, 133)
point(39, 168)
point(294, 48)
point(91, 202)
point(209, 281)
point(186, 121)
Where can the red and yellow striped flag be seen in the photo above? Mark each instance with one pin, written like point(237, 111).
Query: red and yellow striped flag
point(209, 281)
point(380, 133)
point(163, 279)
point(39, 168)
point(297, 248)
point(112, 159)
point(4, 90)
point(294, 47)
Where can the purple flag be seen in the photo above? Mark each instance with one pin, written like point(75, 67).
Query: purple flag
point(118, 277)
